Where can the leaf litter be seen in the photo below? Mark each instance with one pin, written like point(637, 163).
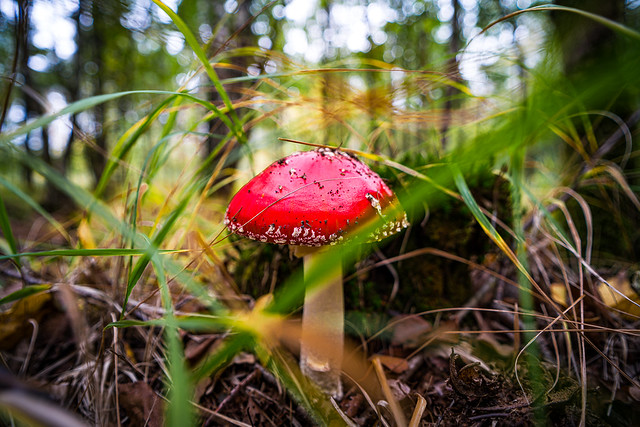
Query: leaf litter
point(436, 368)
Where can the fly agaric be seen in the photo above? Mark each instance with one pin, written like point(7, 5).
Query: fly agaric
point(310, 200)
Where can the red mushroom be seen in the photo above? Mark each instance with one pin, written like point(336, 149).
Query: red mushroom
point(313, 199)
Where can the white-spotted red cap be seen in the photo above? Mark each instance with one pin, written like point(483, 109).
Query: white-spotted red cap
point(313, 198)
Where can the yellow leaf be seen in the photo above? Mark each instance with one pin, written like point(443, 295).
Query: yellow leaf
point(559, 293)
point(614, 300)
point(85, 235)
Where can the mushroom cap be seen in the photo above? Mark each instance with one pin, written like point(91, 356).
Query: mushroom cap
point(313, 198)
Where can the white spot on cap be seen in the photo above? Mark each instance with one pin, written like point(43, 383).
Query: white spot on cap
point(375, 203)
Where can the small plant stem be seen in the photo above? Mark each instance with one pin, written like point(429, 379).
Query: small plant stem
point(322, 342)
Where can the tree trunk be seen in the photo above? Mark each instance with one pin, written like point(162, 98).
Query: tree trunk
point(453, 70)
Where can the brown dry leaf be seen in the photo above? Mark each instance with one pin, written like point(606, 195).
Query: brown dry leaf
point(199, 346)
point(614, 300)
point(410, 331)
point(397, 365)
point(142, 405)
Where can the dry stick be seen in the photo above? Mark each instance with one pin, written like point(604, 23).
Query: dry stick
point(32, 343)
point(556, 352)
point(398, 415)
point(237, 389)
point(115, 369)
point(578, 252)
point(220, 416)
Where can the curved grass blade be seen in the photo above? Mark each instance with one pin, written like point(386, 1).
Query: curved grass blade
point(126, 143)
point(131, 136)
point(613, 25)
point(492, 233)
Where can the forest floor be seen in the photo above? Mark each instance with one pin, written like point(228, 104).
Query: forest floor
point(457, 368)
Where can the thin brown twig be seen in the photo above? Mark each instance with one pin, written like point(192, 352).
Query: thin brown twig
point(237, 389)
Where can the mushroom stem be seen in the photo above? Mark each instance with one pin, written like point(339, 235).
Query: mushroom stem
point(322, 342)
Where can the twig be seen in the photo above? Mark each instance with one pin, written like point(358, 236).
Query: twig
point(115, 369)
point(237, 389)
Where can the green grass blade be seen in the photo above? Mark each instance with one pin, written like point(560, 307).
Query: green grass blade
point(95, 252)
point(484, 222)
point(23, 293)
point(155, 162)
point(179, 411)
point(5, 227)
point(73, 108)
point(285, 368)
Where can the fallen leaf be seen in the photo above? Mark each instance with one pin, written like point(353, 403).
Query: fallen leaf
point(14, 323)
point(85, 235)
point(142, 405)
point(559, 293)
point(616, 301)
point(409, 330)
point(396, 365)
